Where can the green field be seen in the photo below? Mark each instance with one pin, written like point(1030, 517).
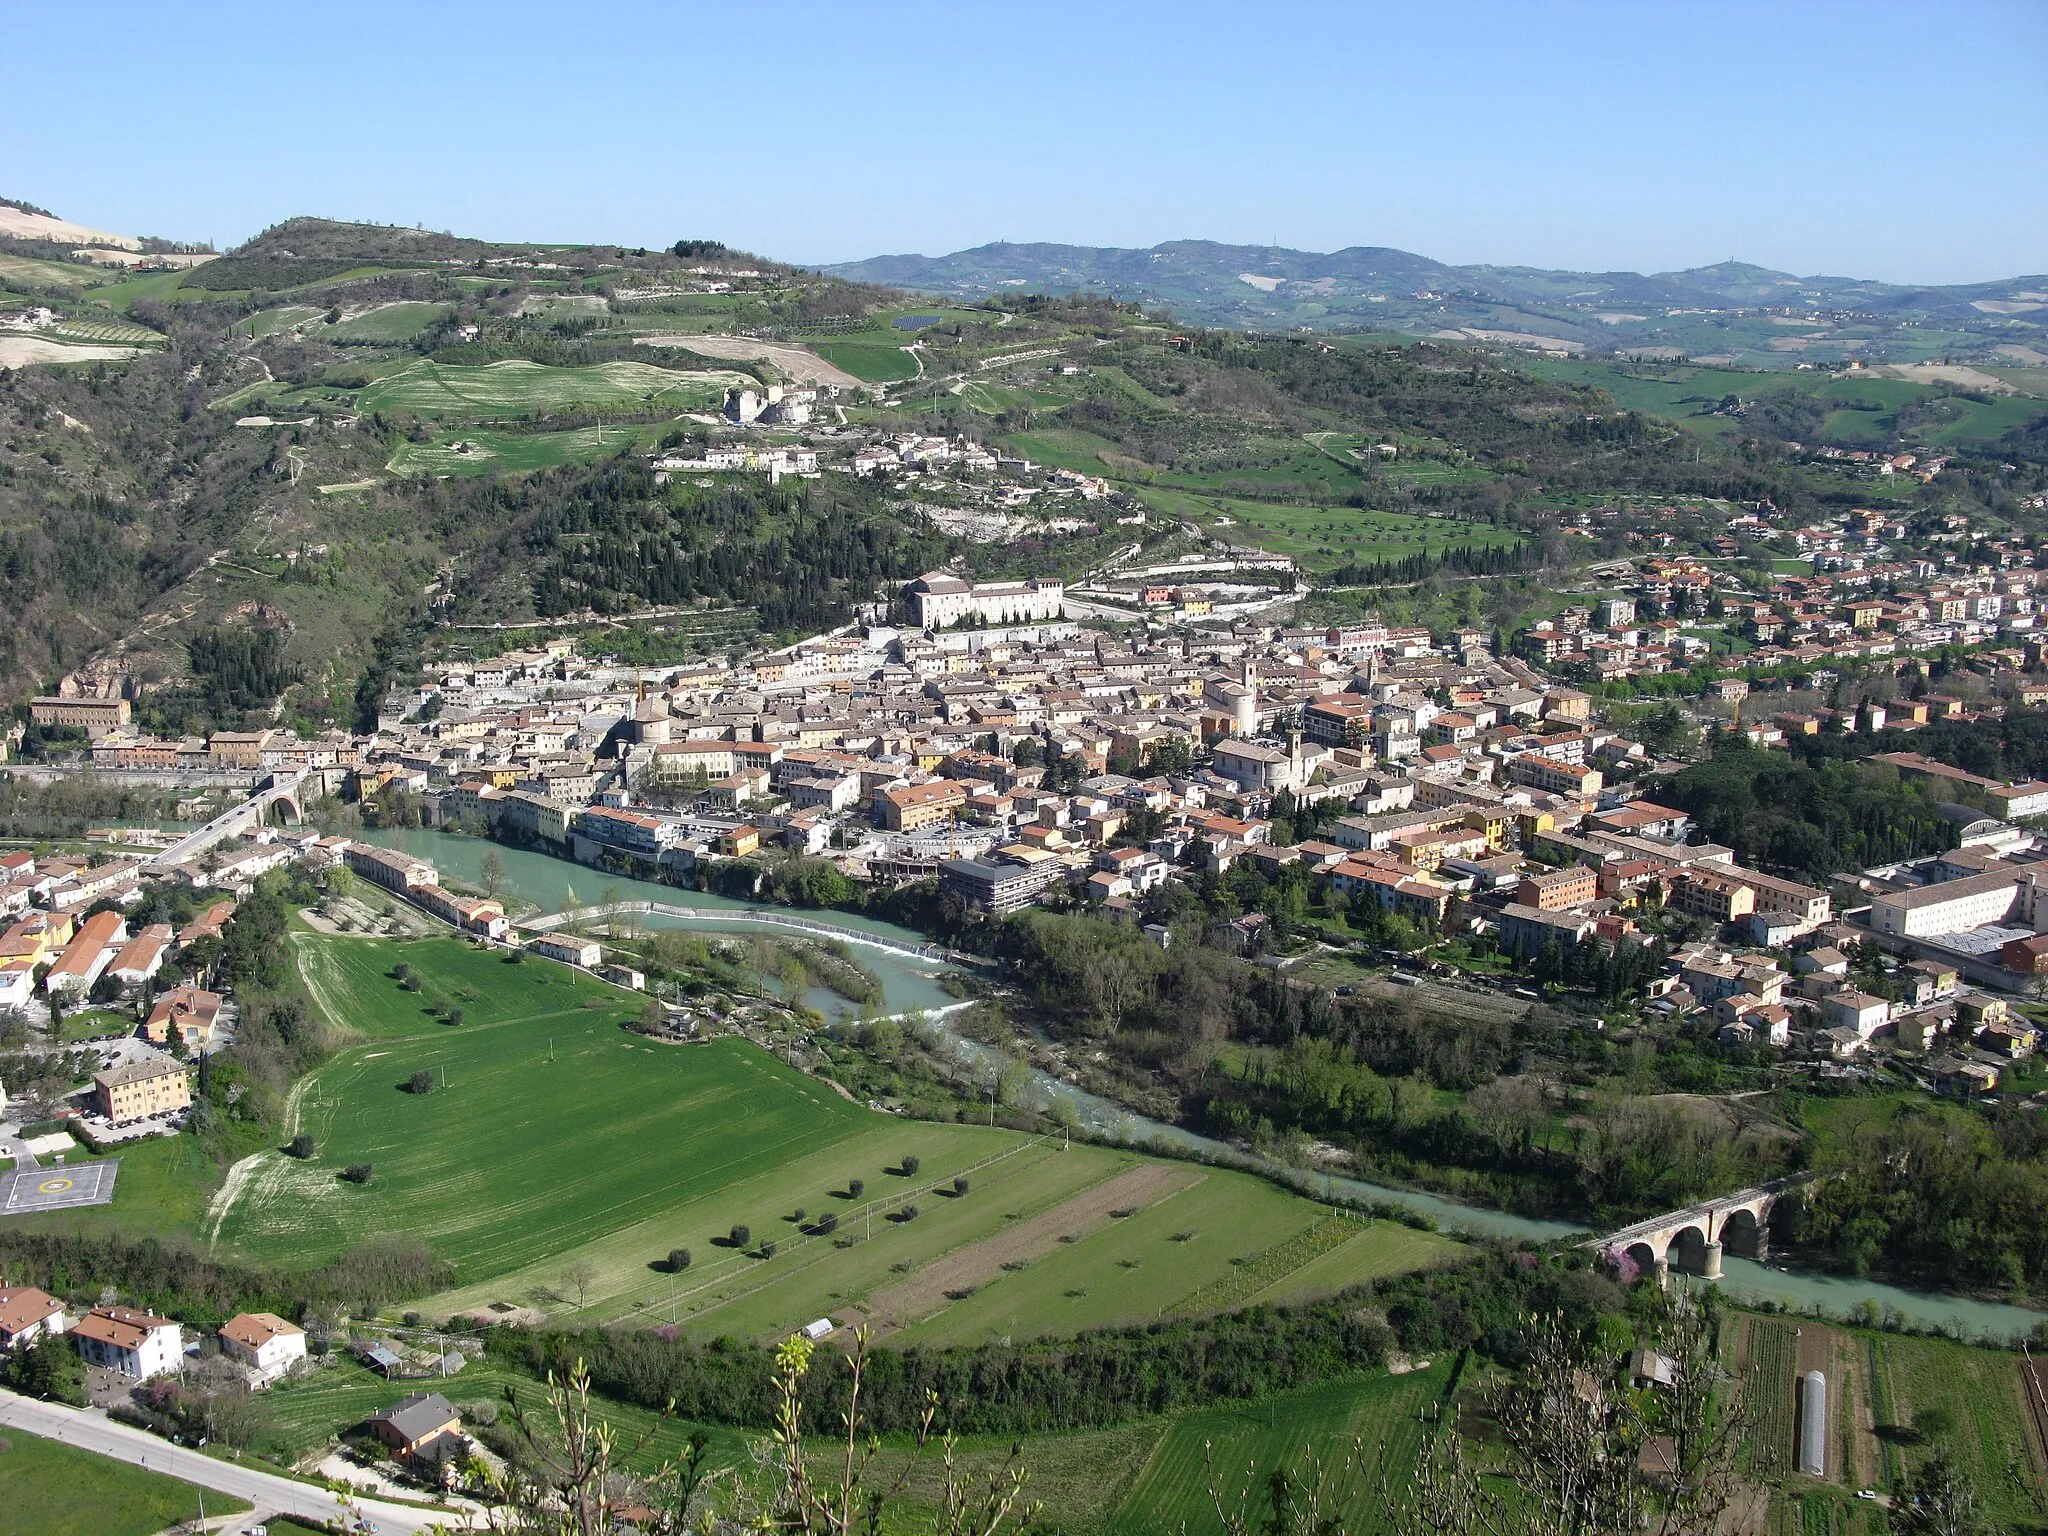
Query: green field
point(48, 1489)
point(268, 322)
point(512, 453)
point(872, 362)
point(386, 323)
point(1386, 1414)
point(27, 272)
point(560, 1141)
point(515, 388)
point(1323, 538)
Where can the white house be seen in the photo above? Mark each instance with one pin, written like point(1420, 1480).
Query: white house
point(265, 1341)
point(567, 948)
point(26, 1314)
point(134, 1344)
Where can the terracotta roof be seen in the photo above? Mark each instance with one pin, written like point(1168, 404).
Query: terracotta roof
point(23, 1306)
point(256, 1329)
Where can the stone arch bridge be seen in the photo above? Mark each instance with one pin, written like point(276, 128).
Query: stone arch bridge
point(1694, 1240)
point(281, 793)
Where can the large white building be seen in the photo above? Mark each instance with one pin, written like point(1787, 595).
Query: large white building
point(937, 600)
point(1956, 906)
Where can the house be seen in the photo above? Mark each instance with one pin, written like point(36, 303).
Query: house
point(1855, 1010)
point(86, 955)
point(141, 1090)
point(263, 1341)
point(415, 1428)
point(27, 1314)
point(130, 1343)
point(142, 956)
point(567, 948)
point(187, 1010)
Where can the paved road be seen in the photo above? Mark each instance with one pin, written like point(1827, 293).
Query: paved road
point(92, 1431)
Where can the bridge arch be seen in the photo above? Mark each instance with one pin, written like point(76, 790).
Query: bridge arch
point(1647, 1260)
point(1687, 1250)
point(284, 809)
point(1744, 1231)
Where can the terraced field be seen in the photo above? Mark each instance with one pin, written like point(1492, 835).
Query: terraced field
point(516, 388)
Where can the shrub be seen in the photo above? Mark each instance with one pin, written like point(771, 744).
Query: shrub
point(741, 1234)
point(768, 1250)
point(797, 1214)
point(302, 1145)
point(420, 1082)
point(454, 1016)
point(515, 957)
point(357, 1173)
point(402, 971)
point(909, 1166)
point(960, 1185)
point(909, 1213)
point(827, 1224)
point(678, 1260)
point(856, 1187)
point(411, 983)
point(410, 1319)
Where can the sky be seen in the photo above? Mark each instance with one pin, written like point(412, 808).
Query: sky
point(1892, 141)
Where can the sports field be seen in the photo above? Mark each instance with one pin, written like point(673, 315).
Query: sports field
point(49, 1489)
point(516, 387)
point(513, 453)
point(562, 1144)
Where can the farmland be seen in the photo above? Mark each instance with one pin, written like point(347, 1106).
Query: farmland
point(517, 388)
point(59, 1490)
point(872, 362)
point(552, 1143)
point(1890, 1399)
point(1386, 1414)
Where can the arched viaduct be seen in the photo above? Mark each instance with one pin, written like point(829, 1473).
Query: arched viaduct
point(1694, 1240)
point(280, 794)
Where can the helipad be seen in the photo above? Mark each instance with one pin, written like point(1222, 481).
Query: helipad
point(59, 1188)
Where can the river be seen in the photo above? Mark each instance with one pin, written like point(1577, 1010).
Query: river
point(910, 985)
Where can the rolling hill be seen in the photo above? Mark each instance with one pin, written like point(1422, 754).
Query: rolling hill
point(1733, 310)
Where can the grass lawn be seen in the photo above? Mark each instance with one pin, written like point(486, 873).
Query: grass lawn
point(164, 1185)
point(91, 1023)
point(512, 453)
point(51, 1489)
point(517, 387)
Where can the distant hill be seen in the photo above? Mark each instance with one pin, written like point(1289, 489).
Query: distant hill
point(1732, 310)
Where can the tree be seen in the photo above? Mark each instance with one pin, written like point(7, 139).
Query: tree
point(960, 1185)
point(740, 1235)
point(302, 1146)
point(1938, 1500)
point(856, 1187)
point(678, 1260)
point(909, 1165)
point(421, 1082)
point(51, 1369)
point(453, 1017)
point(490, 872)
point(357, 1173)
point(579, 1277)
point(768, 1250)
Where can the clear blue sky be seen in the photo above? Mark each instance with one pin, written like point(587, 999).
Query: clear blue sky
point(1905, 142)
